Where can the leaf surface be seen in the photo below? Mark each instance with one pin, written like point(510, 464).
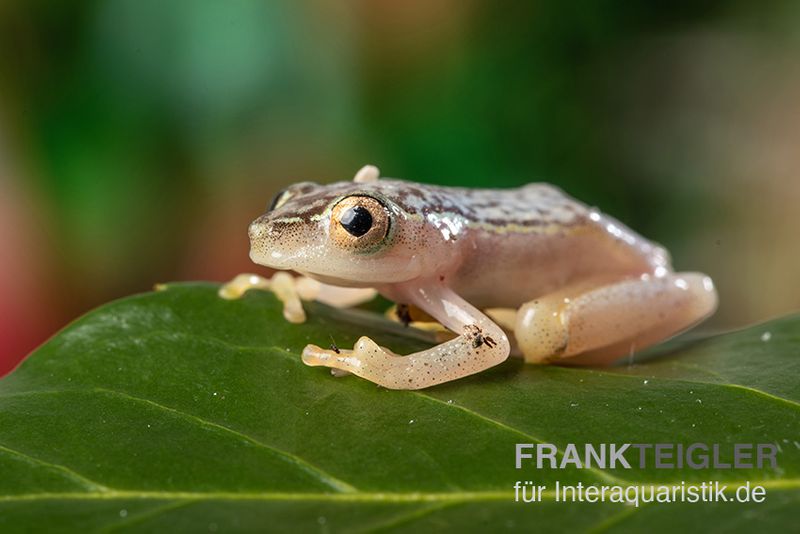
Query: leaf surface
point(179, 410)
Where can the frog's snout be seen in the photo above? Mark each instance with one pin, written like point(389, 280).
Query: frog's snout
point(255, 231)
point(277, 243)
point(259, 230)
point(262, 240)
point(264, 231)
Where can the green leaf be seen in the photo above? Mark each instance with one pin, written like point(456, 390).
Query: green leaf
point(177, 410)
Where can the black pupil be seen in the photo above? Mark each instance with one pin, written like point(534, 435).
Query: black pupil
point(356, 220)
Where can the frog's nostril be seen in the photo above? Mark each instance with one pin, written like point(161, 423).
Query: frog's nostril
point(274, 230)
point(257, 230)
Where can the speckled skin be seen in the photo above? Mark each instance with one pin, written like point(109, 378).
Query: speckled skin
point(586, 287)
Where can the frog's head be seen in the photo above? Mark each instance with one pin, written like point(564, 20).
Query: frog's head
point(346, 233)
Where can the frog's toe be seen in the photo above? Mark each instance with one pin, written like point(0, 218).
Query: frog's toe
point(240, 284)
point(338, 359)
point(315, 356)
point(365, 347)
point(365, 353)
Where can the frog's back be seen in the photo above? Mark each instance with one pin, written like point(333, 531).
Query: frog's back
point(532, 205)
point(523, 242)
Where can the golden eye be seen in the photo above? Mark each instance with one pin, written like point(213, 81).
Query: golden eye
point(359, 223)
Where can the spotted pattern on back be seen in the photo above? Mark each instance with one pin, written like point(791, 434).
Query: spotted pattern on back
point(528, 206)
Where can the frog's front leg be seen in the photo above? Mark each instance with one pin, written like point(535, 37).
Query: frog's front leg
point(282, 284)
point(480, 344)
point(596, 325)
point(291, 290)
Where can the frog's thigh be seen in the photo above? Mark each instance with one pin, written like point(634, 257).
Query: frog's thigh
point(605, 322)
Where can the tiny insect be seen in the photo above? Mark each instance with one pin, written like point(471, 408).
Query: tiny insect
point(333, 347)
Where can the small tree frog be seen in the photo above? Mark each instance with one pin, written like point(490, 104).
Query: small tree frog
point(528, 269)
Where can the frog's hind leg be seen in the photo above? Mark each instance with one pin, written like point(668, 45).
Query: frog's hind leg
point(507, 319)
point(602, 323)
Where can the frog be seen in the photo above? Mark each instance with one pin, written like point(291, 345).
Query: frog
point(527, 271)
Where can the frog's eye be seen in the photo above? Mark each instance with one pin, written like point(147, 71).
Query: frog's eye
point(279, 199)
point(359, 222)
point(356, 220)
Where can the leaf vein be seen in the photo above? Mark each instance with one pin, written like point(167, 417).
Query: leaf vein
point(407, 518)
point(300, 463)
point(688, 381)
point(136, 519)
point(62, 470)
point(483, 418)
point(354, 497)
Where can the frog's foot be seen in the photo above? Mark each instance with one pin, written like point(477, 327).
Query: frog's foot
point(598, 325)
point(481, 345)
point(282, 284)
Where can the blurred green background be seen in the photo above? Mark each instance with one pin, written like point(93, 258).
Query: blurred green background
point(139, 138)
